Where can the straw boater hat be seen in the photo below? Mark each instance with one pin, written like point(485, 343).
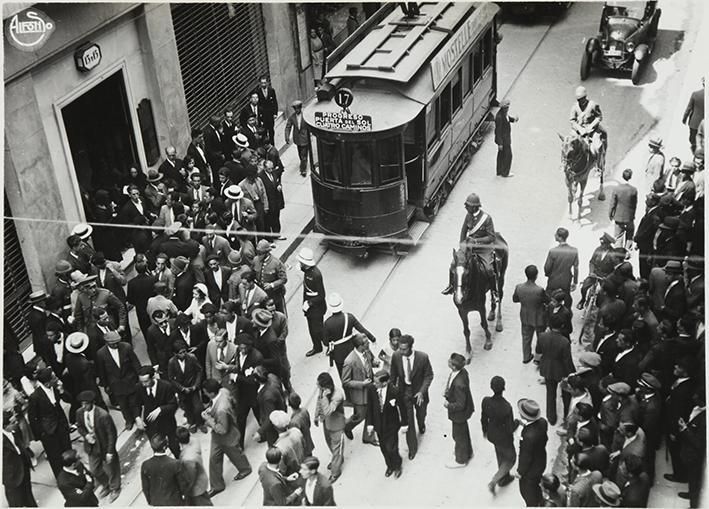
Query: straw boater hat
point(240, 140)
point(83, 230)
point(62, 267)
point(173, 228)
point(154, 176)
point(37, 296)
point(234, 192)
point(335, 302)
point(77, 342)
point(279, 419)
point(306, 257)
point(655, 143)
point(234, 257)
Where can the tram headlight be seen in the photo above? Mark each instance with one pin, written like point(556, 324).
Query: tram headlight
point(629, 46)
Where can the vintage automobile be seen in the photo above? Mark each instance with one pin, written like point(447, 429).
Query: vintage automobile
point(530, 11)
point(625, 40)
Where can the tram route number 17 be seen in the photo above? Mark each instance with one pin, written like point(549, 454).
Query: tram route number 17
point(344, 98)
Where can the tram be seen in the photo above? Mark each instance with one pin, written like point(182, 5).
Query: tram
point(395, 121)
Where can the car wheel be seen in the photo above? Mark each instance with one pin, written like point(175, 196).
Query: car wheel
point(635, 73)
point(585, 65)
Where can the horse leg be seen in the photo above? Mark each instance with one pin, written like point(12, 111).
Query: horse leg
point(463, 313)
point(498, 324)
point(571, 191)
point(483, 324)
point(582, 189)
point(491, 314)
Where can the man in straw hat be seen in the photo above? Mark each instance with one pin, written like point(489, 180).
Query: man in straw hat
point(97, 428)
point(117, 367)
point(314, 305)
point(655, 167)
point(289, 441)
point(242, 209)
point(607, 494)
point(271, 274)
point(81, 370)
point(301, 134)
point(532, 451)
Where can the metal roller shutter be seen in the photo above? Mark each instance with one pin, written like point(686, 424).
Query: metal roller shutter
point(16, 285)
point(222, 53)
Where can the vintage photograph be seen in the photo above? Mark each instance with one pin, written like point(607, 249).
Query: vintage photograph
point(372, 254)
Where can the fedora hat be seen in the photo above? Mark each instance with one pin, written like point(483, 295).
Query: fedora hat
point(264, 246)
point(335, 302)
point(590, 359)
point(688, 167)
point(77, 342)
point(655, 142)
point(262, 318)
point(306, 257)
point(173, 228)
point(607, 237)
point(79, 278)
point(673, 266)
point(179, 263)
point(240, 140)
point(649, 381)
point(62, 267)
point(38, 296)
point(83, 230)
point(529, 409)
point(154, 176)
point(234, 257)
point(234, 192)
point(608, 493)
point(111, 337)
point(620, 388)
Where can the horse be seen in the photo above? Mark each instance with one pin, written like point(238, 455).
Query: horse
point(578, 157)
point(471, 285)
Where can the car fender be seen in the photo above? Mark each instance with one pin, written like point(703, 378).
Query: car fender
point(592, 45)
point(641, 51)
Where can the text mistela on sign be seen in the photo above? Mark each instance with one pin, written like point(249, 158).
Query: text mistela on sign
point(342, 121)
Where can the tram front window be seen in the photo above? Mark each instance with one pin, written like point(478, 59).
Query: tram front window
point(330, 162)
point(361, 157)
point(389, 158)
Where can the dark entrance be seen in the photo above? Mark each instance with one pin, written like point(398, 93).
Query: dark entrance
point(101, 137)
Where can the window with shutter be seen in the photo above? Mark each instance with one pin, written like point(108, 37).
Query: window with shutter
point(16, 285)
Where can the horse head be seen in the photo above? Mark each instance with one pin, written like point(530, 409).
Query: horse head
point(460, 268)
point(574, 150)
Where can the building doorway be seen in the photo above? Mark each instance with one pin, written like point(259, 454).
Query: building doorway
point(101, 138)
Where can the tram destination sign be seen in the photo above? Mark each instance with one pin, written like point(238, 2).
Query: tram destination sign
point(343, 121)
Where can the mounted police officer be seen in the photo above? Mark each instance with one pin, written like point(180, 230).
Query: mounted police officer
point(478, 235)
point(586, 119)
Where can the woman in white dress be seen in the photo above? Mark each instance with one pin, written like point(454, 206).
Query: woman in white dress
point(199, 299)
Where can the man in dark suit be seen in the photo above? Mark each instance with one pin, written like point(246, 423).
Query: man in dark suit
point(252, 131)
point(532, 452)
point(158, 341)
point(269, 398)
point(694, 114)
point(384, 416)
point(16, 464)
point(184, 282)
point(625, 366)
point(195, 336)
point(561, 267)
point(269, 106)
point(47, 419)
point(301, 135)
point(245, 385)
point(96, 426)
point(357, 375)
point(197, 152)
point(317, 490)
point(157, 404)
point(252, 109)
point(135, 208)
point(276, 490)
point(503, 138)
point(498, 427)
point(213, 146)
point(175, 246)
point(163, 479)
point(75, 482)
point(271, 179)
point(624, 202)
point(675, 299)
point(185, 373)
point(229, 129)
point(412, 374)
point(555, 362)
point(645, 233)
point(81, 370)
point(117, 367)
point(171, 166)
point(678, 405)
point(221, 419)
point(459, 402)
point(37, 320)
point(216, 277)
point(693, 451)
point(108, 276)
point(532, 313)
point(140, 289)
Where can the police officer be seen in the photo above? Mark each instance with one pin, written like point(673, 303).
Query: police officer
point(314, 305)
point(586, 118)
point(271, 274)
point(478, 234)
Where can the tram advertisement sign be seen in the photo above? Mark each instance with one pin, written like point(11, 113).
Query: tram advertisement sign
point(342, 121)
point(29, 30)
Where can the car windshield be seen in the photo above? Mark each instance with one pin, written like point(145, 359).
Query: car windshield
point(626, 9)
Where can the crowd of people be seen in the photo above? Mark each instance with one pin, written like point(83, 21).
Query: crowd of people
point(209, 301)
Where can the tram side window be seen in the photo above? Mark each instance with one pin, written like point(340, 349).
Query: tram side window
point(431, 126)
point(389, 151)
point(477, 63)
point(467, 77)
point(330, 163)
point(457, 90)
point(361, 160)
point(487, 49)
point(444, 107)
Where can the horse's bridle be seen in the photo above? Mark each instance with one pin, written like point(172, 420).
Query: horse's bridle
point(574, 163)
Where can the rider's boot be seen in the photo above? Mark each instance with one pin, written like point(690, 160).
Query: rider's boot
point(448, 290)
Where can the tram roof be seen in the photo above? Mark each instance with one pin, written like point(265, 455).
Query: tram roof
point(397, 48)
